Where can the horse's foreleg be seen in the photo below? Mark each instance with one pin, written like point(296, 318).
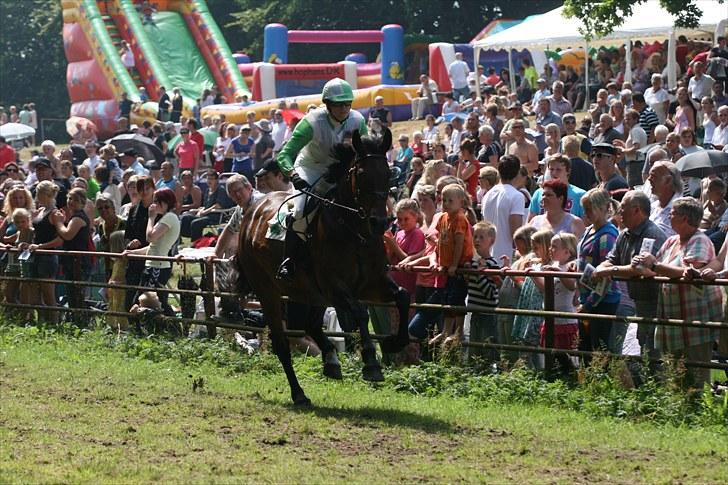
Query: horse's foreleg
point(272, 311)
point(395, 343)
point(314, 328)
point(372, 370)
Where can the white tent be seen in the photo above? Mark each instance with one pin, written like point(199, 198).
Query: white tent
point(648, 22)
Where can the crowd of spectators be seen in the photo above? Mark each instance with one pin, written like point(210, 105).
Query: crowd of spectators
point(505, 180)
point(522, 180)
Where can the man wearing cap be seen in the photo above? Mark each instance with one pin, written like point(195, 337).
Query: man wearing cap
point(541, 92)
point(44, 171)
point(307, 156)
point(7, 153)
point(381, 113)
point(264, 144)
point(270, 178)
point(604, 157)
point(458, 71)
point(128, 159)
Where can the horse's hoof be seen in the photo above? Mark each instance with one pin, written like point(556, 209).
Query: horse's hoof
point(333, 371)
point(393, 344)
point(372, 373)
point(301, 401)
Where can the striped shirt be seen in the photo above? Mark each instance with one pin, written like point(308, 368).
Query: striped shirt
point(482, 289)
point(648, 120)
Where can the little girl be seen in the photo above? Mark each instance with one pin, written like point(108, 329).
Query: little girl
point(118, 277)
point(566, 331)
point(21, 232)
point(408, 240)
point(454, 250)
point(527, 329)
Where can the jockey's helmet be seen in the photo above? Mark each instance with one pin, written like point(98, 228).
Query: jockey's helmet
point(337, 91)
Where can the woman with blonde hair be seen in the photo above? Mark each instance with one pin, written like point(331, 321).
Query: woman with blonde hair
point(45, 236)
point(434, 169)
point(616, 111)
point(594, 246)
point(553, 140)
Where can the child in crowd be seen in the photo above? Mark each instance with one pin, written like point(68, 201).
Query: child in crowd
point(483, 291)
point(454, 250)
point(487, 178)
point(715, 205)
point(566, 330)
point(406, 241)
point(147, 314)
point(20, 231)
point(527, 329)
point(115, 296)
point(510, 290)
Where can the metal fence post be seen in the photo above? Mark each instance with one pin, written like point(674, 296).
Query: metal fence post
point(548, 305)
point(208, 284)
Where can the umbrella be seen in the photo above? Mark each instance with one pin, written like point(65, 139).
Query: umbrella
point(290, 114)
point(209, 134)
point(703, 163)
point(450, 116)
point(75, 122)
point(144, 146)
point(16, 131)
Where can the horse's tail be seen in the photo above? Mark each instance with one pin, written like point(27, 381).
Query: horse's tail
point(242, 285)
point(231, 278)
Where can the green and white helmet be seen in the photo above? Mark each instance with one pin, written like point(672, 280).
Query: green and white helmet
point(337, 91)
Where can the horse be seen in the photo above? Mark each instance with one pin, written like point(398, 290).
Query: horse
point(346, 260)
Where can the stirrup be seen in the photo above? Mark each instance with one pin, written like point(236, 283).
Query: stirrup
point(286, 270)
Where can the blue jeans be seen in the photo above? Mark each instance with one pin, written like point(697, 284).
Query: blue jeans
point(425, 318)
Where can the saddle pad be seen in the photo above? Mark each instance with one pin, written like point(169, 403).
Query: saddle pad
point(277, 224)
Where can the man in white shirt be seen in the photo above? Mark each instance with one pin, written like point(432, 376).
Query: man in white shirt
point(720, 134)
point(93, 158)
point(700, 84)
point(426, 96)
point(505, 207)
point(456, 137)
point(458, 71)
point(636, 139)
point(657, 98)
point(278, 132)
point(541, 92)
point(666, 187)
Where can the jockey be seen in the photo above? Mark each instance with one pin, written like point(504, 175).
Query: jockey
point(307, 156)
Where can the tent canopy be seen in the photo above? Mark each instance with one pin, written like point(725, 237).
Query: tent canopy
point(649, 22)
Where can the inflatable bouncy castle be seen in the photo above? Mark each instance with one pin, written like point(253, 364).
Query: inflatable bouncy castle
point(175, 43)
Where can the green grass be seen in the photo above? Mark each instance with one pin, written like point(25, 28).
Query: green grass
point(85, 407)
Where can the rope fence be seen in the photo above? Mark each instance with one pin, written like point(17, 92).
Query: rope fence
point(548, 313)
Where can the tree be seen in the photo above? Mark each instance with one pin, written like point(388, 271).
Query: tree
point(455, 21)
point(601, 17)
point(32, 61)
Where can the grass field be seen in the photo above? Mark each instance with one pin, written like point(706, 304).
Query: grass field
point(74, 411)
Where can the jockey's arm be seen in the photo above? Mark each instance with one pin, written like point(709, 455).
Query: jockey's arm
point(301, 136)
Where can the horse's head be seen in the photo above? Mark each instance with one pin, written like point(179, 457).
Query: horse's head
point(363, 173)
point(370, 178)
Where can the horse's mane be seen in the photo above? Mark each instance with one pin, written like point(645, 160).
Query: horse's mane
point(346, 153)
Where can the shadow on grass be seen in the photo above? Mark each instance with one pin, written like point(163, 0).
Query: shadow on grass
point(367, 415)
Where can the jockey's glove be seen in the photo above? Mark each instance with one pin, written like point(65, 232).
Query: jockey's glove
point(298, 182)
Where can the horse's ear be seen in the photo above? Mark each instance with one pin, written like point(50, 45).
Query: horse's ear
point(386, 141)
point(356, 143)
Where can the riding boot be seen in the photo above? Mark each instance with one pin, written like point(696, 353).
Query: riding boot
point(293, 249)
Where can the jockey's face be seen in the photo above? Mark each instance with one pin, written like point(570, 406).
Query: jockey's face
point(339, 111)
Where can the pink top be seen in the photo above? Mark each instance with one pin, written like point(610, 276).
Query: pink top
point(186, 153)
point(411, 242)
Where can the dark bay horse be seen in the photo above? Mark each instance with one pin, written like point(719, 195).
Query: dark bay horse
point(346, 258)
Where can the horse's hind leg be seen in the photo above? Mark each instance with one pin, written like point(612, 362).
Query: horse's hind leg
point(272, 311)
point(314, 328)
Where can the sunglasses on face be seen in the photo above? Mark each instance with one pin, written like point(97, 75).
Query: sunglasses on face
point(11, 169)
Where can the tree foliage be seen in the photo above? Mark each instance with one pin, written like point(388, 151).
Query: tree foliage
point(32, 61)
point(601, 17)
point(455, 21)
